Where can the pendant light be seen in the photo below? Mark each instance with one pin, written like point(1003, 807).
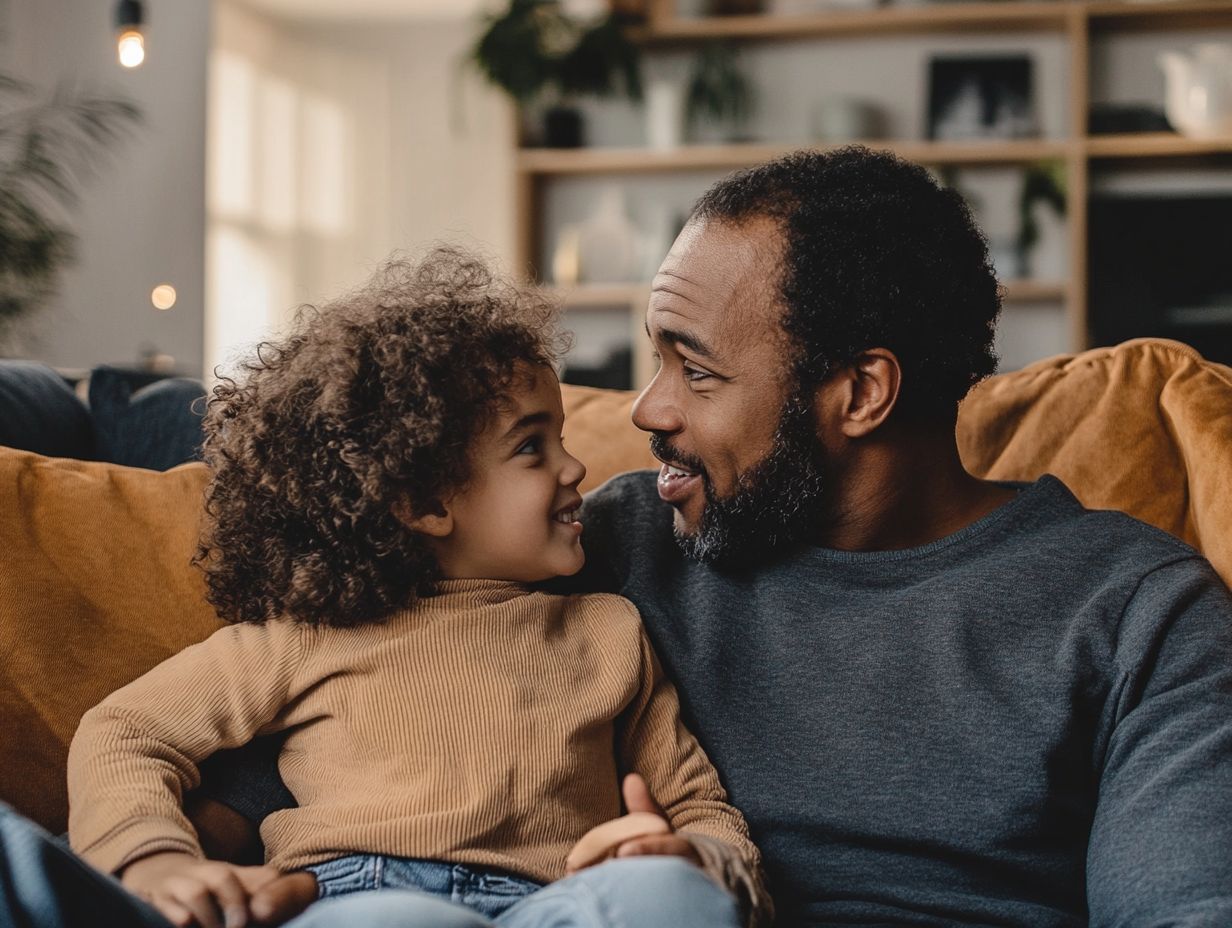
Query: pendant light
point(130, 43)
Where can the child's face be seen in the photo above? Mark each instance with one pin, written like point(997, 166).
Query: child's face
point(517, 518)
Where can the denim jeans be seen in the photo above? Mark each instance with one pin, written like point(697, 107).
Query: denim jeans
point(641, 892)
point(44, 885)
point(488, 892)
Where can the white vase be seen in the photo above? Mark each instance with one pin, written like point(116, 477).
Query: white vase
point(664, 114)
point(607, 241)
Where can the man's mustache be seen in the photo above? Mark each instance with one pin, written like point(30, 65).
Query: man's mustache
point(662, 449)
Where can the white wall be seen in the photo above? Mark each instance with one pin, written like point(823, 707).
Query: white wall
point(406, 150)
point(141, 220)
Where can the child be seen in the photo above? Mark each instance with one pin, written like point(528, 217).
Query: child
point(386, 483)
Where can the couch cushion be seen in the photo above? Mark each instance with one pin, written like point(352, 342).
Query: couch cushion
point(95, 588)
point(141, 423)
point(600, 431)
point(40, 412)
point(1145, 427)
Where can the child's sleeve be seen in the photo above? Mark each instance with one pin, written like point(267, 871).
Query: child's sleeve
point(135, 754)
point(654, 742)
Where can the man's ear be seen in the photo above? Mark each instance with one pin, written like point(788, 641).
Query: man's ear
point(858, 398)
point(436, 522)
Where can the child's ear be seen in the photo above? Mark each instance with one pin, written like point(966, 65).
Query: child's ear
point(437, 522)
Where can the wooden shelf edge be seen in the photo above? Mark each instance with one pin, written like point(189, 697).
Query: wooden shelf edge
point(1113, 12)
point(704, 157)
point(549, 161)
point(1040, 14)
point(1153, 144)
point(1033, 291)
point(634, 295)
point(599, 296)
point(936, 17)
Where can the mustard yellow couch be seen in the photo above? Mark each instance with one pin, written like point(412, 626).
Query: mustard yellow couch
point(95, 585)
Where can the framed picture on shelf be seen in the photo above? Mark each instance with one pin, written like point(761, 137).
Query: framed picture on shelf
point(986, 97)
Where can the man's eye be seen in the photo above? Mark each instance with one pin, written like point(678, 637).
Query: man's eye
point(530, 446)
point(694, 374)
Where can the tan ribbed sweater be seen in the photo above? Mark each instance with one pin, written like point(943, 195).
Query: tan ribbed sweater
point(486, 725)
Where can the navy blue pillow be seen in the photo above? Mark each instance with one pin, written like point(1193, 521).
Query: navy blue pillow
point(40, 412)
point(142, 424)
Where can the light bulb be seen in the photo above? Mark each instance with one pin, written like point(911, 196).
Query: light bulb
point(163, 296)
point(131, 48)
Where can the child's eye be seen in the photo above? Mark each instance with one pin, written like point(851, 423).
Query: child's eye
point(531, 446)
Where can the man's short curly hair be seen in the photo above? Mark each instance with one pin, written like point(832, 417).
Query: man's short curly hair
point(875, 254)
point(376, 398)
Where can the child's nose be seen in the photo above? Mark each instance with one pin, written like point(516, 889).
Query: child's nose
point(573, 472)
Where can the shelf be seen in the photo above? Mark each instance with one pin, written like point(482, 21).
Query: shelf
point(1146, 14)
point(1038, 15)
point(1033, 291)
point(948, 17)
point(600, 296)
point(635, 295)
point(1154, 145)
point(556, 161)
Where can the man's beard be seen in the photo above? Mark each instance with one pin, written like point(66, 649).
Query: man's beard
point(777, 502)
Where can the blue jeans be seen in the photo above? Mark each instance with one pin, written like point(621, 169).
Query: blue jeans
point(389, 892)
point(44, 885)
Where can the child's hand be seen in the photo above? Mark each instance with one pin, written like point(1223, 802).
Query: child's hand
point(189, 891)
point(644, 831)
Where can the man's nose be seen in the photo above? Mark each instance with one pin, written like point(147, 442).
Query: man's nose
point(653, 410)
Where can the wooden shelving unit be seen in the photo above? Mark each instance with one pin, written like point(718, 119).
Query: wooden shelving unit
point(1079, 21)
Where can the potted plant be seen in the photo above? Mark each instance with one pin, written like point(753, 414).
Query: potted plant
point(1043, 191)
point(47, 146)
point(719, 95)
point(546, 60)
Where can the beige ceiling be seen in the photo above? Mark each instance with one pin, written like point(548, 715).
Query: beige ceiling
point(368, 9)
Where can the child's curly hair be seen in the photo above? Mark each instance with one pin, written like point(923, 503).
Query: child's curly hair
point(375, 399)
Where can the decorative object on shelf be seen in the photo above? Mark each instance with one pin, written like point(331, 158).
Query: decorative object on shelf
point(130, 40)
point(1121, 118)
point(607, 241)
point(720, 97)
point(1041, 216)
point(980, 98)
point(1199, 90)
point(47, 147)
point(566, 260)
point(847, 119)
point(734, 7)
point(545, 59)
point(664, 113)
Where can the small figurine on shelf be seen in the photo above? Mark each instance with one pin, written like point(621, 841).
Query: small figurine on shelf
point(546, 59)
point(720, 97)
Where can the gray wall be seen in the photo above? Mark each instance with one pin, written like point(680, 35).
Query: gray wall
point(141, 219)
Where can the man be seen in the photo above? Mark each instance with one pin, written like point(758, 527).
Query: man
point(937, 700)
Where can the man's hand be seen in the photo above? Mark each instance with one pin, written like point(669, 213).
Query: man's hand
point(188, 891)
point(643, 831)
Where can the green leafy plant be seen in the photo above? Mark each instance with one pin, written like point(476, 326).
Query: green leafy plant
point(1042, 182)
point(533, 50)
point(47, 148)
point(718, 91)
